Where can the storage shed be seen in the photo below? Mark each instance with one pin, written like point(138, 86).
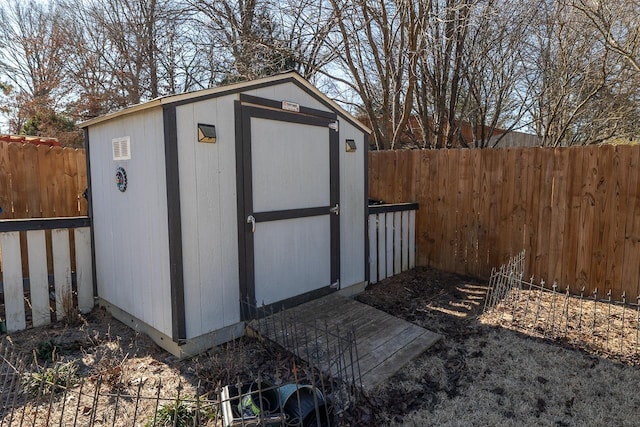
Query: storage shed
point(253, 192)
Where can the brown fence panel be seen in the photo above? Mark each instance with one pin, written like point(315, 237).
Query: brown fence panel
point(41, 181)
point(576, 211)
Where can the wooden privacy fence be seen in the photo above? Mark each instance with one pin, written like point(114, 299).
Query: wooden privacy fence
point(392, 239)
point(38, 298)
point(576, 211)
point(38, 181)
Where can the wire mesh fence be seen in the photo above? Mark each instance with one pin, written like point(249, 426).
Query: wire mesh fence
point(594, 322)
point(321, 388)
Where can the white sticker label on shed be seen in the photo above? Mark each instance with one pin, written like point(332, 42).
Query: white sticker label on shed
point(121, 148)
point(290, 106)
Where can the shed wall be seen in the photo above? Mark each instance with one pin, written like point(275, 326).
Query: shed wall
point(130, 228)
point(209, 216)
point(352, 204)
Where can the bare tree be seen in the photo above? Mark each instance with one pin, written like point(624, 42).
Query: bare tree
point(33, 48)
point(495, 98)
point(307, 25)
point(379, 46)
point(616, 22)
point(581, 91)
point(246, 36)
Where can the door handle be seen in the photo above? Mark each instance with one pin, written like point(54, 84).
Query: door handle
point(251, 220)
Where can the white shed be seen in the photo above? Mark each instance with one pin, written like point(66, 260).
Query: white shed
point(250, 192)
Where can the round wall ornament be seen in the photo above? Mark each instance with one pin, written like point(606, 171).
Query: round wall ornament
point(121, 179)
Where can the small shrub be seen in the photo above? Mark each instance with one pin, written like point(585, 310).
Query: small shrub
point(50, 380)
point(181, 413)
point(46, 350)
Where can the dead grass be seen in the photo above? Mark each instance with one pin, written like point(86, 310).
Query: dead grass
point(483, 374)
point(487, 371)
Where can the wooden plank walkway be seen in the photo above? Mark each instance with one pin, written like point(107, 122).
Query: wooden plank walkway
point(321, 332)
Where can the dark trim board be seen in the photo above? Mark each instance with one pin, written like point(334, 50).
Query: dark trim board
point(87, 155)
point(367, 273)
point(265, 310)
point(285, 116)
point(178, 322)
point(271, 103)
point(395, 207)
point(8, 225)
point(334, 191)
point(242, 254)
point(291, 213)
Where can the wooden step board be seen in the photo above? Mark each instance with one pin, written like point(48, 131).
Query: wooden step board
point(319, 332)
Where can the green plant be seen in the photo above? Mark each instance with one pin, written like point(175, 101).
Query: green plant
point(50, 380)
point(181, 413)
point(46, 350)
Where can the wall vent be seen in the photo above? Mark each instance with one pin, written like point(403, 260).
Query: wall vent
point(121, 148)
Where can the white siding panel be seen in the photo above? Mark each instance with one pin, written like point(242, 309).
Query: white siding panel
point(12, 280)
point(61, 271)
point(38, 278)
point(352, 207)
point(130, 228)
point(228, 225)
point(84, 269)
point(208, 211)
point(303, 183)
point(291, 257)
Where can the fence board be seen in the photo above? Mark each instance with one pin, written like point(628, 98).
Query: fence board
point(373, 249)
point(38, 278)
point(84, 269)
point(545, 218)
point(61, 270)
point(572, 218)
point(618, 206)
point(405, 239)
point(389, 245)
point(461, 198)
point(31, 180)
point(397, 236)
point(412, 239)
point(5, 183)
point(631, 259)
point(576, 211)
point(12, 281)
point(557, 214)
point(20, 197)
point(382, 245)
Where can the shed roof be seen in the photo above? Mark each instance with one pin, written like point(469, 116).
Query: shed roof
point(185, 98)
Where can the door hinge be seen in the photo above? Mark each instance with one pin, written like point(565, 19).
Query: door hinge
point(333, 126)
point(335, 209)
point(335, 285)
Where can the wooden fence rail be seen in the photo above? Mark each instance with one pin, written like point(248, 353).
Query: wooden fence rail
point(38, 181)
point(576, 211)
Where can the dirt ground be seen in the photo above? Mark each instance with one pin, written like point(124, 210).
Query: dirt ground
point(479, 374)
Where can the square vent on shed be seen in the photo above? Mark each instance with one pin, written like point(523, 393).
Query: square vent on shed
point(121, 148)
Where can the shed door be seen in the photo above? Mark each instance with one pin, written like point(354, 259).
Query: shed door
point(290, 197)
